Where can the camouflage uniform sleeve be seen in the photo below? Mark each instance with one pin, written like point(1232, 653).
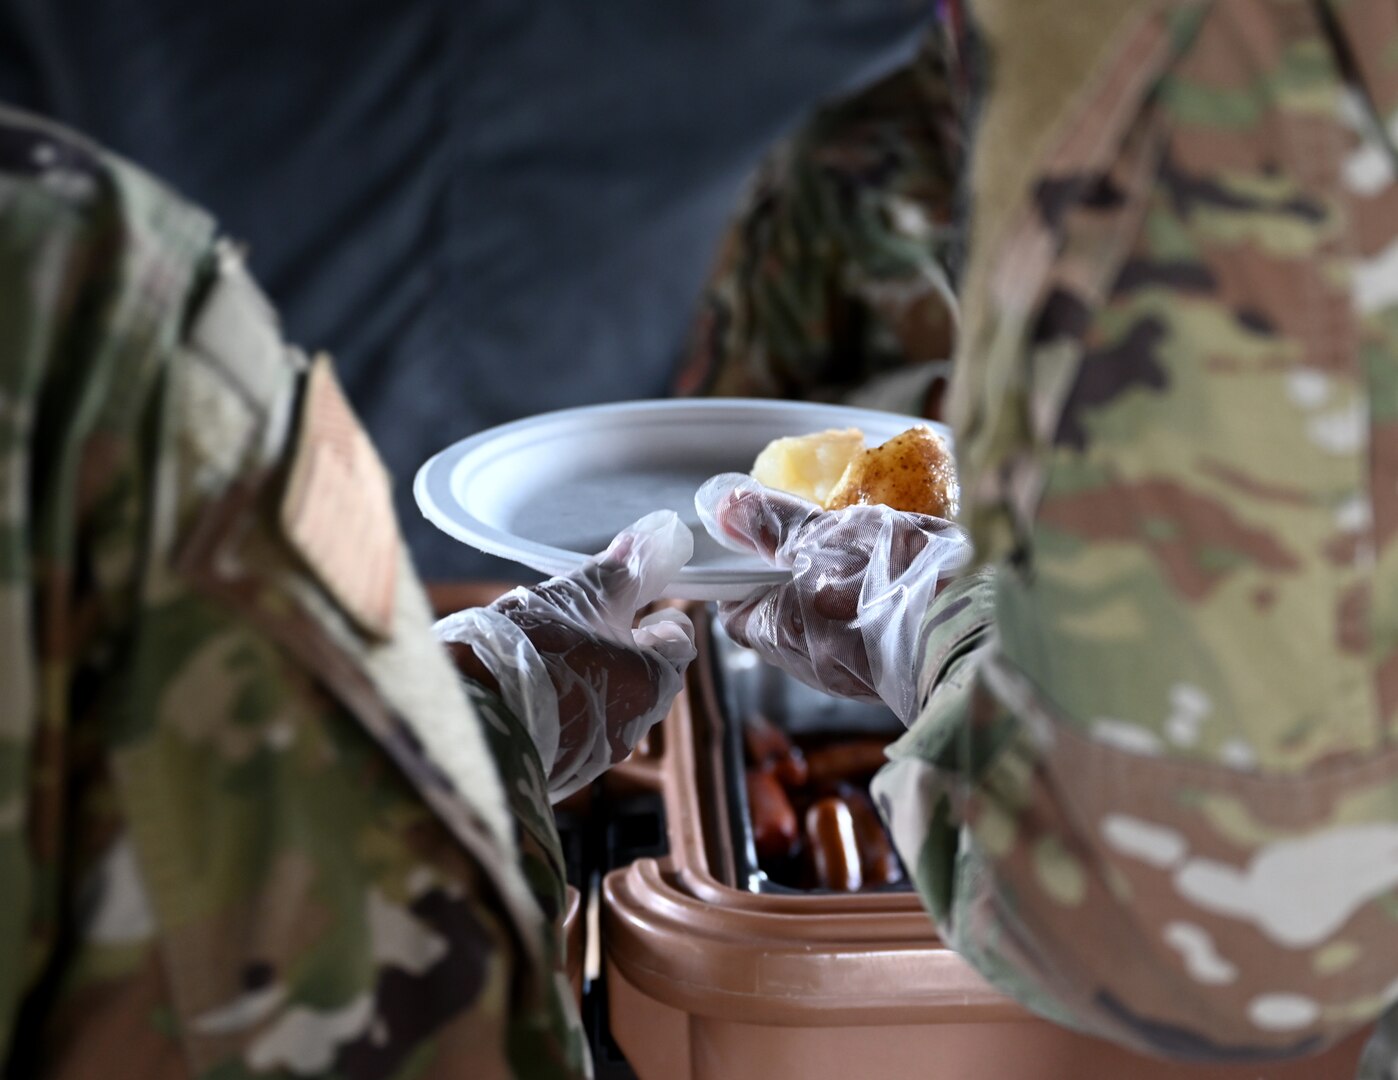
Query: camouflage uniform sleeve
point(540, 853)
point(1176, 418)
point(835, 280)
point(252, 827)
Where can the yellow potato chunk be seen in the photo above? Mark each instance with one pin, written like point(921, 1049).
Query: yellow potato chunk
point(912, 471)
point(808, 465)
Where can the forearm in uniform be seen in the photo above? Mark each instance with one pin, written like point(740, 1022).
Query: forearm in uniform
point(540, 855)
point(921, 792)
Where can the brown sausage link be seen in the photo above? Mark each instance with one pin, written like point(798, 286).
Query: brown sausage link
point(830, 833)
point(764, 740)
point(768, 745)
point(851, 761)
point(876, 855)
point(774, 828)
point(792, 770)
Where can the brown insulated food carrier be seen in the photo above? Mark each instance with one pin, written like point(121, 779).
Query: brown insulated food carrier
point(709, 981)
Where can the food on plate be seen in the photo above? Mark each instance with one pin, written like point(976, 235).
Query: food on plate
point(913, 471)
point(808, 465)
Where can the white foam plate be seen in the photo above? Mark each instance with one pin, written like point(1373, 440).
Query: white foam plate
point(550, 491)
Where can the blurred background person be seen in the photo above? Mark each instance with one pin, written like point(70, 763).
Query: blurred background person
point(836, 279)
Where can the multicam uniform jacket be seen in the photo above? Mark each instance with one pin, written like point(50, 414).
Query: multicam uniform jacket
point(1154, 789)
point(250, 823)
point(1153, 792)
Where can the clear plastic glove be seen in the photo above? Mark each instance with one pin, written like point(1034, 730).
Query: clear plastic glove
point(851, 620)
point(566, 660)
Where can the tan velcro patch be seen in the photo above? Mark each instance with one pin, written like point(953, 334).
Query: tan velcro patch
point(338, 508)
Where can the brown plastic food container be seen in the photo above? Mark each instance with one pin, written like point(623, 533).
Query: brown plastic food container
point(709, 981)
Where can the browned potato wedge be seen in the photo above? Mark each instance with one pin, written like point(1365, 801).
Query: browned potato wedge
point(912, 471)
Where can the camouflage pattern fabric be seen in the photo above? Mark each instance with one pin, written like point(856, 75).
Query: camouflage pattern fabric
point(835, 280)
point(250, 824)
point(1153, 792)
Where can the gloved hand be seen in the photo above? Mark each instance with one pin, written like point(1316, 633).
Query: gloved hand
point(567, 662)
point(851, 620)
